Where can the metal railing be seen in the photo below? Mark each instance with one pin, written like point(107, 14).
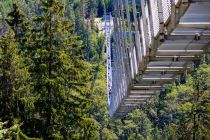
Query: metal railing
point(142, 56)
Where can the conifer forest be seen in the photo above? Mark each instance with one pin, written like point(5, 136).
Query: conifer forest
point(53, 80)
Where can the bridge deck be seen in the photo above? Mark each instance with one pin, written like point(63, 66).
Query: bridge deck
point(155, 47)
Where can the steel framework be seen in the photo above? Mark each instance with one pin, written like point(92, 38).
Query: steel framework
point(153, 46)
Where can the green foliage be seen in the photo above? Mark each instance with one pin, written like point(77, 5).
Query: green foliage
point(181, 112)
point(13, 76)
point(14, 132)
point(53, 80)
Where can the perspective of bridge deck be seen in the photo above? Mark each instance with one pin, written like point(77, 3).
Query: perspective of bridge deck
point(155, 42)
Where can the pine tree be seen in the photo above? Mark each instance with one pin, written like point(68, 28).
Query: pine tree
point(14, 20)
point(188, 105)
point(101, 8)
point(59, 72)
point(17, 21)
point(13, 74)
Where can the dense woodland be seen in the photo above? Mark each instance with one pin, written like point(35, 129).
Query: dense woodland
point(53, 80)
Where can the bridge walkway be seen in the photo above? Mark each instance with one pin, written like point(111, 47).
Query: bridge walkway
point(155, 44)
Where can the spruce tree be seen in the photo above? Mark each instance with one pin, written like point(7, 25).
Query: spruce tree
point(15, 19)
point(58, 72)
point(12, 75)
point(101, 8)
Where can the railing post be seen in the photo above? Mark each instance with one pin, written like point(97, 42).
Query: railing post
point(137, 36)
point(131, 57)
point(125, 45)
point(145, 26)
point(173, 17)
point(161, 21)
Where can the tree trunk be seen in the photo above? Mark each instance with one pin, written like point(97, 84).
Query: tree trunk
point(49, 88)
point(194, 126)
point(7, 87)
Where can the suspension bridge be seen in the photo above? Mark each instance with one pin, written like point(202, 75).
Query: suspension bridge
point(155, 42)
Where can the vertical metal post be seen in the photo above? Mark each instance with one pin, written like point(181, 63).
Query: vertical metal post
point(130, 43)
point(125, 46)
point(108, 19)
point(161, 21)
point(137, 35)
point(145, 26)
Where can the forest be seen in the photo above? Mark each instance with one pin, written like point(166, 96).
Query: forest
point(53, 80)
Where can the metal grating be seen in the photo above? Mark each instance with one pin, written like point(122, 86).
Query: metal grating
point(143, 38)
point(155, 17)
point(165, 58)
point(148, 23)
point(166, 4)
